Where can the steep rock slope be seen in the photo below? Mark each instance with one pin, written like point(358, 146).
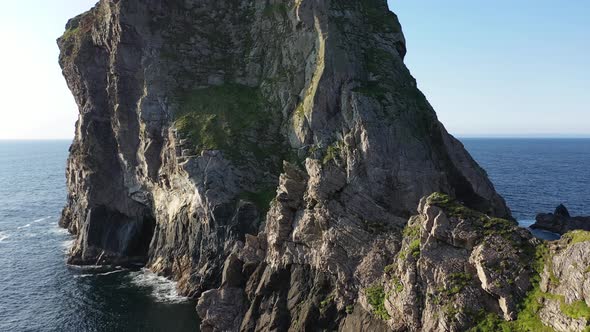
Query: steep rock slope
point(265, 154)
point(564, 290)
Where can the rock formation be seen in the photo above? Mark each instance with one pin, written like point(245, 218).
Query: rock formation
point(271, 156)
point(560, 221)
point(565, 284)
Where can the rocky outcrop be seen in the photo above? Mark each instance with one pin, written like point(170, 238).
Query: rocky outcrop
point(454, 264)
point(564, 292)
point(560, 221)
point(268, 155)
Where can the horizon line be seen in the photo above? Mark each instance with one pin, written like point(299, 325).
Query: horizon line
point(460, 136)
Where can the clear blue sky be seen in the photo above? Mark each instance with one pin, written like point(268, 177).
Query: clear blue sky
point(490, 68)
point(502, 67)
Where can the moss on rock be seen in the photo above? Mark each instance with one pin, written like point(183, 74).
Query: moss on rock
point(376, 298)
point(528, 314)
point(455, 209)
point(232, 118)
point(577, 236)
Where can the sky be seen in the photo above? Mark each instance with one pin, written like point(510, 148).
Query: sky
point(35, 102)
point(489, 68)
point(502, 67)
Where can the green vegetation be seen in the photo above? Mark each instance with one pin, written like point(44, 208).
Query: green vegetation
point(493, 323)
point(451, 311)
point(377, 14)
point(497, 226)
point(397, 284)
point(378, 59)
point(232, 118)
point(528, 319)
point(575, 310)
point(327, 302)
point(376, 227)
point(412, 234)
point(376, 298)
point(277, 8)
point(398, 287)
point(577, 236)
point(414, 248)
point(78, 31)
point(553, 280)
point(372, 89)
point(412, 231)
point(489, 225)
point(70, 33)
point(389, 268)
point(333, 152)
point(349, 309)
point(451, 207)
point(261, 199)
point(458, 281)
point(212, 116)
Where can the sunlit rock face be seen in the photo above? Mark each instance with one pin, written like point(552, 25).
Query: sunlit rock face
point(268, 155)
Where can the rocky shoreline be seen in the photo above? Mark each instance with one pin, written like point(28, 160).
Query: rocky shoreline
point(560, 221)
point(277, 159)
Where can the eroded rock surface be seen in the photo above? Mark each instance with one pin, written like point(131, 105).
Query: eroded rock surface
point(565, 284)
point(455, 264)
point(268, 155)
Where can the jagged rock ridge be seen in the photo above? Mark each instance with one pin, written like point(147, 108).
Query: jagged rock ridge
point(268, 155)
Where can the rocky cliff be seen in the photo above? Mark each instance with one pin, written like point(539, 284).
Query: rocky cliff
point(272, 156)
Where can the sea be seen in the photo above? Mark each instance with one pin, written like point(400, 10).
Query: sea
point(39, 292)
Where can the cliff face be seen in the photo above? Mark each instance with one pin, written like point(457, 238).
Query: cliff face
point(564, 290)
point(268, 155)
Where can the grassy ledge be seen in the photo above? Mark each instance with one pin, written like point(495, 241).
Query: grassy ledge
point(376, 298)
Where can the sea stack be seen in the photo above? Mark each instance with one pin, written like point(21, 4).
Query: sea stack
point(278, 160)
point(560, 221)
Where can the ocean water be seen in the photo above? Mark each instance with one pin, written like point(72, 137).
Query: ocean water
point(536, 175)
point(38, 292)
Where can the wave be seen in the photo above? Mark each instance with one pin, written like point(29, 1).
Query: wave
point(86, 275)
point(67, 245)
point(58, 230)
point(3, 236)
point(25, 226)
point(36, 221)
point(163, 289)
point(96, 269)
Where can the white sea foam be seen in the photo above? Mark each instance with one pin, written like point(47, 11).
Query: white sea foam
point(36, 221)
point(87, 267)
point(25, 226)
point(67, 245)
point(163, 290)
point(3, 236)
point(86, 275)
point(111, 272)
point(58, 230)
